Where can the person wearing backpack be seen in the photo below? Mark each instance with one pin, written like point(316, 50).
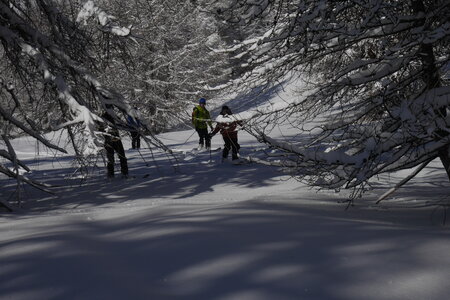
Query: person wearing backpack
point(227, 125)
point(134, 124)
point(113, 144)
point(201, 119)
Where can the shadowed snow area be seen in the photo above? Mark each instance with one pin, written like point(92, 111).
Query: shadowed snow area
point(191, 227)
point(257, 249)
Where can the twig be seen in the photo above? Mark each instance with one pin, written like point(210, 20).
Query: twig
point(5, 205)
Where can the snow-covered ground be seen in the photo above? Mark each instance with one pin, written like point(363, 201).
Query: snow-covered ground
point(194, 228)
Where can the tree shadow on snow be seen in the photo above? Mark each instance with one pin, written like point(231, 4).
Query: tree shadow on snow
point(161, 179)
point(248, 250)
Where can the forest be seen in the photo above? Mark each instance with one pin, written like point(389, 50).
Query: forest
point(374, 96)
point(337, 112)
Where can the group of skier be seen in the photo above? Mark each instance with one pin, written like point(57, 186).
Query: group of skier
point(201, 120)
point(226, 125)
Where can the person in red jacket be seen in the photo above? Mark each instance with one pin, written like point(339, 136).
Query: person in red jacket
point(227, 125)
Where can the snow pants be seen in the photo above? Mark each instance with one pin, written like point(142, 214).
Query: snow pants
point(135, 140)
point(115, 145)
point(204, 138)
point(230, 143)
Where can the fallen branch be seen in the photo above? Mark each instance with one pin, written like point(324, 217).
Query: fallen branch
point(404, 181)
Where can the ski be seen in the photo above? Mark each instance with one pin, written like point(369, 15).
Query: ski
point(194, 150)
point(240, 161)
point(189, 154)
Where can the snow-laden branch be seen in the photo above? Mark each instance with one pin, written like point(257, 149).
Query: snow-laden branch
point(106, 21)
point(41, 186)
point(377, 151)
point(80, 113)
point(31, 132)
point(8, 156)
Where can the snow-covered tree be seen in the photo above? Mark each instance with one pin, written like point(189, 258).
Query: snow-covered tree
point(169, 64)
point(60, 60)
point(377, 98)
point(50, 80)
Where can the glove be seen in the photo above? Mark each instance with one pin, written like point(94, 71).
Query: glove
point(211, 135)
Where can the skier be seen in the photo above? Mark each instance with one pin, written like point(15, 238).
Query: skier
point(227, 124)
point(113, 143)
point(134, 123)
point(201, 121)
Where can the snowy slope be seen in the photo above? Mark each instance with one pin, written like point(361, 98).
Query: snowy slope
point(190, 227)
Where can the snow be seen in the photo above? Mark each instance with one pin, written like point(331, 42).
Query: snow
point(89, 10)
point(202, 229)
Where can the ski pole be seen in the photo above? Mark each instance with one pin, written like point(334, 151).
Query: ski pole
point(210, 155)
point(189, 137)
point(142, 157)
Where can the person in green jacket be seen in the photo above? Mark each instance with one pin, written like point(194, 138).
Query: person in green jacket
point(201, 119)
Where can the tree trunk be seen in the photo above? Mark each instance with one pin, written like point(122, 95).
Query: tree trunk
point(444, 155)
point(432, 80)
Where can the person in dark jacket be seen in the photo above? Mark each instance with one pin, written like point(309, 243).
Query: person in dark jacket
point(201, 119)
point(134, 123)
point(113, 144)
point(227, 125)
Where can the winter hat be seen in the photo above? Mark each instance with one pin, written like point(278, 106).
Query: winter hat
point(225, 111)
point(202, 101)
